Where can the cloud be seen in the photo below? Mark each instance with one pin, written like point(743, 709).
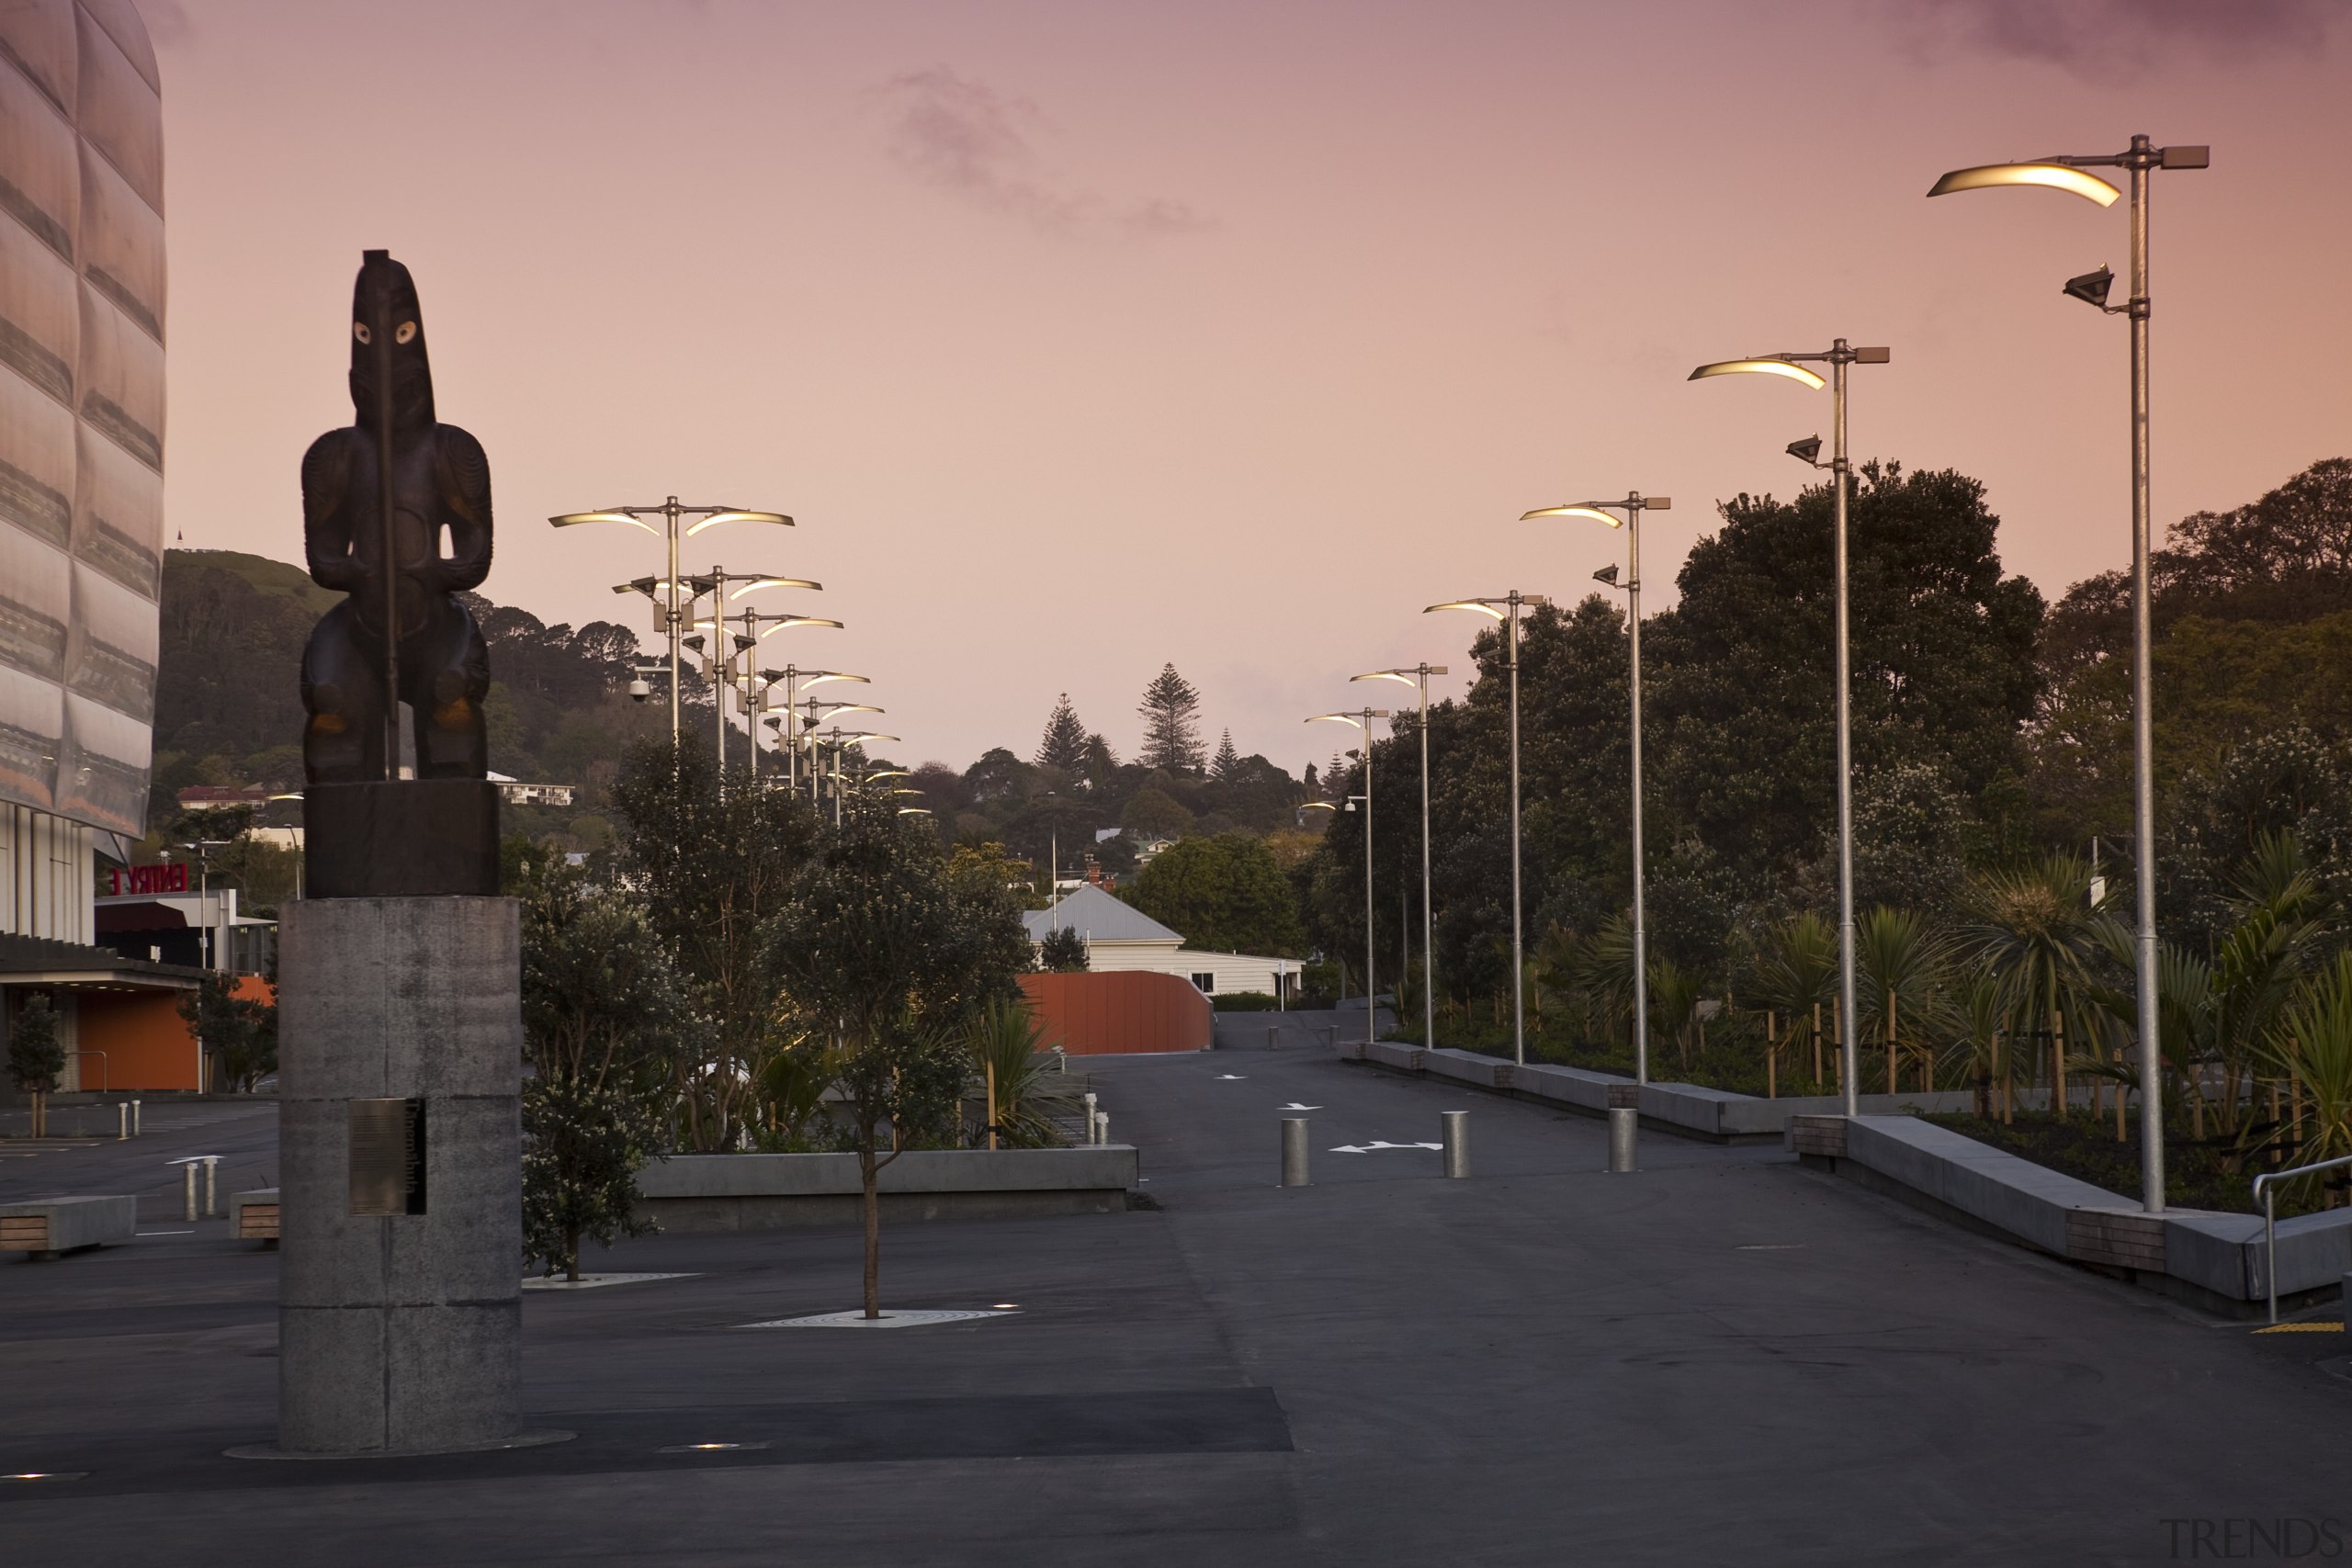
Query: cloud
point(964, 137)
point(2113, 37)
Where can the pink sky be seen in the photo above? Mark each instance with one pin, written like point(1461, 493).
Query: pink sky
point(1083, 337)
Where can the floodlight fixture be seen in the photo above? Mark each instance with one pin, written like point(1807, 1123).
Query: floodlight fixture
point(1607, 574)
point(2093, 288)
point(1807, 451)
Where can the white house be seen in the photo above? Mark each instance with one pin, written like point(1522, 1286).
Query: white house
point(1121, 936)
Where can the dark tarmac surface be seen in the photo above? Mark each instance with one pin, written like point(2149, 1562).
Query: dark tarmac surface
point(1722, 1359)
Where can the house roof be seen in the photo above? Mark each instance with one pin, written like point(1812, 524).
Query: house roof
point(1098, 917)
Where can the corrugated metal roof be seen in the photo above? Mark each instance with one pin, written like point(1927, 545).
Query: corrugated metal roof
point(1098, 917)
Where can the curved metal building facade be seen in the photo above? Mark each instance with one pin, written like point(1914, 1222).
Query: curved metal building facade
point(81, 442)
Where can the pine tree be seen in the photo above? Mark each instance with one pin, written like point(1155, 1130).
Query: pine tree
point(1064, 745)
point(1311, 795)
point(1171, 712)
point(1227, 757)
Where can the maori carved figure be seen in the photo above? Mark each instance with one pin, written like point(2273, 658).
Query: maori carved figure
point(379, 498)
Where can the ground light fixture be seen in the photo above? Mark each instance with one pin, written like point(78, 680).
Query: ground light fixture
point(673, 528)
point(1837, 356)
point(1361, 718)
point(2065, 172)
point(1506, 612)
point(1418, 677)
point(1632, 506)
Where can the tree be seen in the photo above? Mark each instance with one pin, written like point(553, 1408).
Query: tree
point(36, 1059)
point(1023, 1091)
point(884, 953)
point(1226, 894)
point(711, 869)
point(240, 1034)
point(1222, 766)
point(1171, 713)
point(607, 1029)
point(1065, 742)
point(1152, 813)
point(1063, 952)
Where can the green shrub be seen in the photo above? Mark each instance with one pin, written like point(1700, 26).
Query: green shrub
point(1245, 1002)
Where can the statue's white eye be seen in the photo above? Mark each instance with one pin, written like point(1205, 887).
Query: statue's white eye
point(404, 333)
point(359, 330)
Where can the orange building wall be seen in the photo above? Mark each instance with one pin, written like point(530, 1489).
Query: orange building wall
point(146, 1045)
point(1119, 1012)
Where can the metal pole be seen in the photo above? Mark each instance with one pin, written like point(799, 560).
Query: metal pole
point(187, 1171)
point(1849, 1071)
point(1518, 963)
point(1294, 1151)
point(2143, 765)
point(211, 1165)
point(671, 511)
point(1429, 944)
point(1641, 932)
point(1371, 987)
point(122, 1120)
point(1624, 1126)
point(1454, 1133)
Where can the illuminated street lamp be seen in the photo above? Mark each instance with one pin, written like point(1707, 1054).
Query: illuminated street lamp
point(1505, 610)
point(1791, 365)
point(2064, 173)
point(674, 528)
point(795, 681)
point(1418, 676)
point(1361, 718)
point(1632, 506)
point(735, 668)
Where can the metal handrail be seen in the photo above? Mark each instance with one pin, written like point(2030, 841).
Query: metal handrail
point(2270, 1223)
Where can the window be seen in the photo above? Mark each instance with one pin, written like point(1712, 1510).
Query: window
point(1205, 984)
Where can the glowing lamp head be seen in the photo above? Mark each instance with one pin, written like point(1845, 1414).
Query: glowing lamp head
point(1758, 367)
point(2050, 176)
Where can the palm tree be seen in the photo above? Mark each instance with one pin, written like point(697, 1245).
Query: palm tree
point(1023, 1092)
point(1603, 977)
point(1977, 1037)
point(1900, 962)
point(1674, 1004)
point(2037, 931)
point(1796, 976)
point(2312, 1045)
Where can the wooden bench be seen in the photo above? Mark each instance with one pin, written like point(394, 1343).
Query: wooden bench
point(48, 1227)
point(254, 1215)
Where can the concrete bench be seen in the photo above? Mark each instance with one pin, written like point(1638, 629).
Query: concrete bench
point(254, 1216)
point(741, 1192)
point(48, 1226)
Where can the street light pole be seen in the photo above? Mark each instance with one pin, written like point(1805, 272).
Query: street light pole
point(672, 515)
point(1361, 718)
point(2064, 173)
point(1507, 619)
point(1634, 505)
point(1418, 676)
point(1838, 355)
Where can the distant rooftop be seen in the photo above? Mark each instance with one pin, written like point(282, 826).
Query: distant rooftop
point(1098, 917)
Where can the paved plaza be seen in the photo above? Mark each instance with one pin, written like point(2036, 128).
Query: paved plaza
point(1726, 1357)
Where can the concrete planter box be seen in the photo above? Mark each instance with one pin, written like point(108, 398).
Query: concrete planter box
point(738, 1192)
point(253, 1216)
point(52, 1225)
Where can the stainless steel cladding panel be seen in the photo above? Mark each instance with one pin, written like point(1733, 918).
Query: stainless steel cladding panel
point(82, 296)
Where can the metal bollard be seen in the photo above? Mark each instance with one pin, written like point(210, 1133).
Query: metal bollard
point(122, 1120)
point(1453, 1130)
point(134, 1119)
point(211, 1166)
point(1102, 1126)
point(1624, 1123)
point(2347, 1303)
point(188, 1169)
point(1294, 1151)
point(1088, 1097)
point(1273, 1036)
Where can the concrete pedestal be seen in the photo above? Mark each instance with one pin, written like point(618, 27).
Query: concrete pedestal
point(400, 1332)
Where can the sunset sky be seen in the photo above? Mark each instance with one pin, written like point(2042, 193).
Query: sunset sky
point(1085, 337)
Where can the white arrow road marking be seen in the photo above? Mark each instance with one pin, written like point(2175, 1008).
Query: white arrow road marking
point(1232, 1077)
point(1380, 1144)
point(1294, 1105)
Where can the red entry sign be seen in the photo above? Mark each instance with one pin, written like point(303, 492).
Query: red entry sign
point(150, 879)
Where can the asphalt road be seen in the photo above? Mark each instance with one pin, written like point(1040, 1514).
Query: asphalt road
point(1723, 1358)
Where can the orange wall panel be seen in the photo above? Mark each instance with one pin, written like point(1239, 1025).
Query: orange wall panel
point(1129, 1012)
point(146, 1045)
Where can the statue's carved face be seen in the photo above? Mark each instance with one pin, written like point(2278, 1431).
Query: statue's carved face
point(384, 280)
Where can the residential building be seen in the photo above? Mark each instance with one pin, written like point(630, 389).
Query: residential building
point(1118, 936)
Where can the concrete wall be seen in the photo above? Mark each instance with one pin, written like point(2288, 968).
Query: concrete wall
point(731, 1192)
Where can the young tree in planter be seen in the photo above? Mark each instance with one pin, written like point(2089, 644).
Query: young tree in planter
point(240, 1034)
point(36, 1059)
point(885, 951)
point(606, 1025)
